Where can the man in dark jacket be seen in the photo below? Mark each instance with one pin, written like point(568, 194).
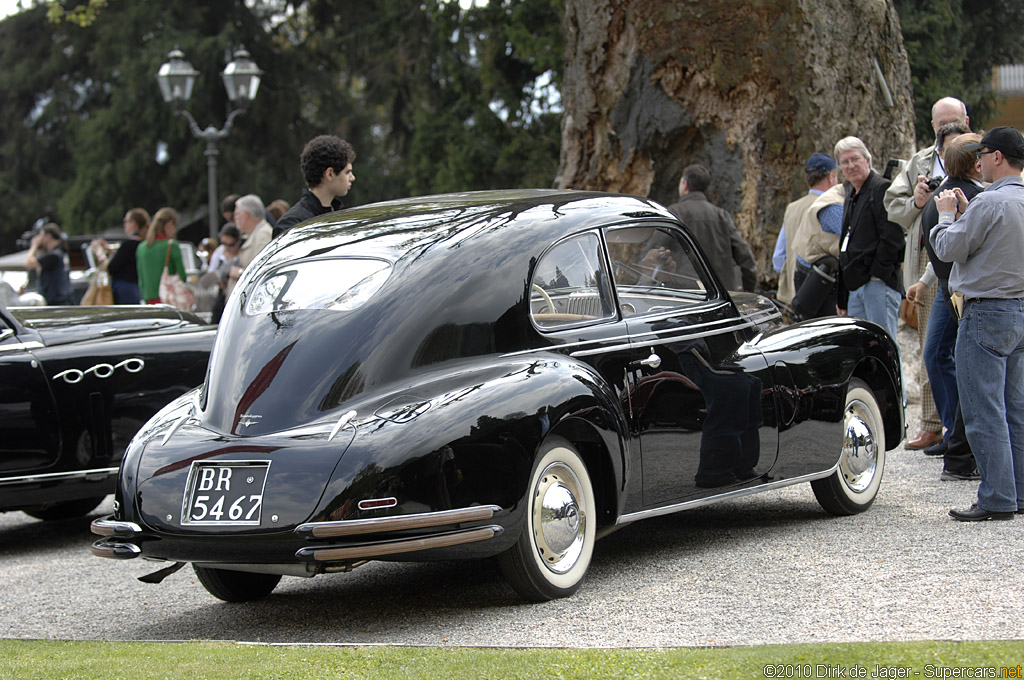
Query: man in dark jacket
point(326, 163)
point(46, 256)
point(870, 246)
point(714, 231)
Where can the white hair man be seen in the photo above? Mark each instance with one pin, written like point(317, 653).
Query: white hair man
point(871, 246)
point(250, 217)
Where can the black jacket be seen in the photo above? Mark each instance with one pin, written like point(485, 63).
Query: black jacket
point(308, 206)
point(870, 245)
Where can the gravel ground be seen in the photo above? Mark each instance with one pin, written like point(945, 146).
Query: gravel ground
point(771, 568)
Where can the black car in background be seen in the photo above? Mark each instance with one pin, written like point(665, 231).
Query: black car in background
point(76, 384)
point(488, 374)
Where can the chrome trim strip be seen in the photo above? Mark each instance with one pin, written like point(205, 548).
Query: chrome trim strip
point(105, 526)
point(400, 546)
point(22, 346)
point(115, 551)
point(700, 308)
point(631, 338)
point(662, 337)
point(686, 505)
point(401, 522)
point(656, 339)
point(100, 473)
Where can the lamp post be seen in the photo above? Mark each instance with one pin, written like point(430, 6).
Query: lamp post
point(241, 80)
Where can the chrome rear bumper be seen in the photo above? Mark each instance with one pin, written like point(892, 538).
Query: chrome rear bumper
point(118, 536)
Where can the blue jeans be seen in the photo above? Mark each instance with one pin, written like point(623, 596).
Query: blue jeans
point(125, 292)
point(876, 302)
point(990, 359)
point(937, 353)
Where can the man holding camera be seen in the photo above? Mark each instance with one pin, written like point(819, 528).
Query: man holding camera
point(905, 199)
point(984, 239)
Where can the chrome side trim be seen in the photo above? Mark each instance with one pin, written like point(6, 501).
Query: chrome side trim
point(399, 546)
point(662, 337)
point(625, 341)
point(22, 346)
point(95, 475)
point(687, 505)
point(655, 338)
point(105, 526)
point(401, 522)
point(115, 551)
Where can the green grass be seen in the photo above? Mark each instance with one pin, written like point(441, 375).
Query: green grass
point(29, 659)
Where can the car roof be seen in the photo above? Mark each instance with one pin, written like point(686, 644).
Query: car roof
point(481, 218)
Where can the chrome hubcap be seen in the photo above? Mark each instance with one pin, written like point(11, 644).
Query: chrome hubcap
point(559, 520)
point(860, 450)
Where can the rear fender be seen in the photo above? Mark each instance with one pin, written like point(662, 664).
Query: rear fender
point(812, 363)
point(452, 444)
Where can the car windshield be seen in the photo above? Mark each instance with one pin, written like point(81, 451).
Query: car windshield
point(339, 284)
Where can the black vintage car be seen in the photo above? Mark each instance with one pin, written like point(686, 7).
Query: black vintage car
point(491, 374)
point(76, 384)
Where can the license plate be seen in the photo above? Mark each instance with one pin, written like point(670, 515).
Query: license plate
point(225, 493)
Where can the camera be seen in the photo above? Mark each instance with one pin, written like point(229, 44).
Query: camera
point(934, 182)
point(25, 240)
point(891, 166)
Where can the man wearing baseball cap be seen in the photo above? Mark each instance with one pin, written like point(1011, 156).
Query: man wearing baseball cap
point(816, 243)
point(985, 243)
point(821, 173)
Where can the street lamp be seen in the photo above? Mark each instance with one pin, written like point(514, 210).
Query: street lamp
point(241, 80)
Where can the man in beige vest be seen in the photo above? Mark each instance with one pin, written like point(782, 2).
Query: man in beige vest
point(820, 172)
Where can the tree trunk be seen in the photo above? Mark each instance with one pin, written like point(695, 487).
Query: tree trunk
point(749, 90)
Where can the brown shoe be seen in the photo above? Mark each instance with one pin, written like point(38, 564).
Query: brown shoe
point(923, 440)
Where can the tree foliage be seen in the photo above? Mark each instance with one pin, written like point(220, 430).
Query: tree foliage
point(952, 46)
point(434, 98)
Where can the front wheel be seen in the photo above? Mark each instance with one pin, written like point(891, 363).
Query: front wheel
point(236, 586)
point(853, 486)
point(553, 552)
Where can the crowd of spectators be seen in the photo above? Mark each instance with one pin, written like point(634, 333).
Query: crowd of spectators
point(946, 235)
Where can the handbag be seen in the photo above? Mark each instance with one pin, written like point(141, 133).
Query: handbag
point(908, 312)
point(99, 291)
point(174, 291)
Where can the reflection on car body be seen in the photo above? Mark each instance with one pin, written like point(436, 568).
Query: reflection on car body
point(493, 374)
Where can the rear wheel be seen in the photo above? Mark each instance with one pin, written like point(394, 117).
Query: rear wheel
point(553, 552)
point(236, 586)
point(854, 485)
point(65, 509)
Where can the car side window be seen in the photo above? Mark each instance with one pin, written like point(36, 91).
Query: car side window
point(655, 269)
point(570, 284)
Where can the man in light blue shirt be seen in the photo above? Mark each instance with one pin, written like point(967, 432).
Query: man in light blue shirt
point(985, 242)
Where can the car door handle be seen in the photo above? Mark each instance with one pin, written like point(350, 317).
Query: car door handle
point(652, 361)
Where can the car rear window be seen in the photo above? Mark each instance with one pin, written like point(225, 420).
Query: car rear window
point(337, 283)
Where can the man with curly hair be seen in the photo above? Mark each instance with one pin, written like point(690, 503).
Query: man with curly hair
point(326, 163)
